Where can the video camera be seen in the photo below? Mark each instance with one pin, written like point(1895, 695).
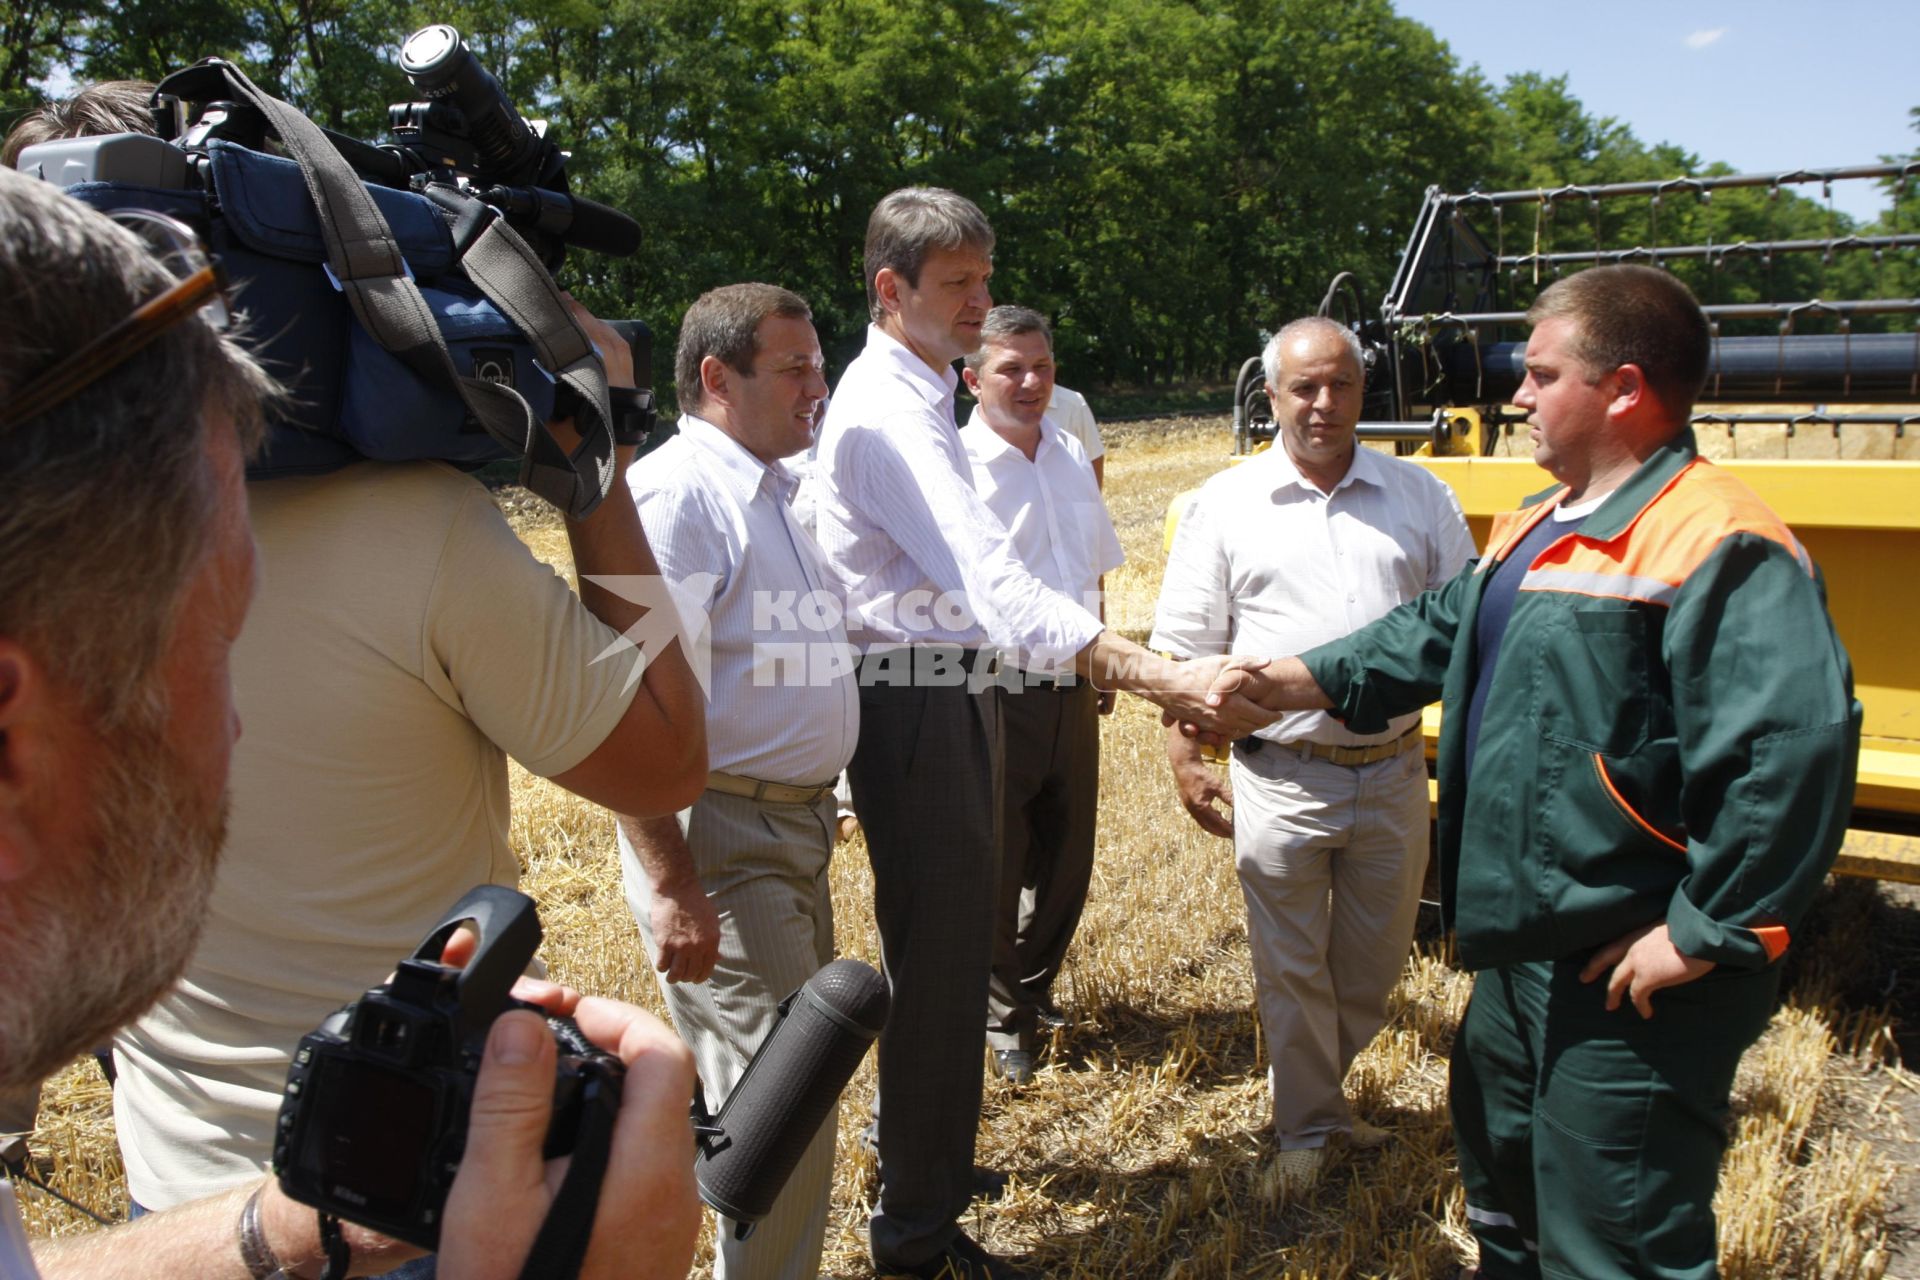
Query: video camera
point(465, 216)
point(464, 141)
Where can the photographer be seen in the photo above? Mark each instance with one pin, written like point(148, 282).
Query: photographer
point(125, 571)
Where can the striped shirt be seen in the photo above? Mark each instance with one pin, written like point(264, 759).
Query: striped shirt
point(920, 557)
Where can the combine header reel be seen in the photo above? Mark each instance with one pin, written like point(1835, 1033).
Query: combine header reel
point(1446, 351)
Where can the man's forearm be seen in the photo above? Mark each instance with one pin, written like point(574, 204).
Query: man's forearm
point(1285, 684)
point(202, 1240)
point(1111, 661)
point(681, 921)
point(662, 849)
point(1183, 752)
point(611, 544)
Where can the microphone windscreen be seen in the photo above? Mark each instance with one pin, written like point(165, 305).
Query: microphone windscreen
point(601, 228)
point(789, 1088)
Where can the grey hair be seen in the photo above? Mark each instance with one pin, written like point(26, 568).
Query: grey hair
point(1305, 325)
point(1007, 322)
point(909, 223)
point(724, 323)
point(111, 497)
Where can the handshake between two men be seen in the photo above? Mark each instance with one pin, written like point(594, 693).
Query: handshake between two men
point(1237, 694)
point(1215, 699)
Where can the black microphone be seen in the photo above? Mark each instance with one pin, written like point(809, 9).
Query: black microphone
point(584, 223)
point(794, 1080)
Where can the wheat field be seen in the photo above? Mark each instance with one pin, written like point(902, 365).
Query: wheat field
point(1136, 1151)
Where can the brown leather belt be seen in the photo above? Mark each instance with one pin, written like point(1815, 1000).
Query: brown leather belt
point(1351, 757)
point(732, 784)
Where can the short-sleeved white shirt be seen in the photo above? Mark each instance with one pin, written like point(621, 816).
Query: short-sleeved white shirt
point(1052, 508)
point(782, 702)
point(1073, 415)
point(403, 643)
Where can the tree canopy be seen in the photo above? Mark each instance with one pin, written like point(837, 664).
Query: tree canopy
point(1168, 178)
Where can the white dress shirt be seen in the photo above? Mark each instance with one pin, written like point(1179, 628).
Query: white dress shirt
point(920, 557)
point(783, 706)
point(1266, 564)
point(1052, 508)
point(1073, 415)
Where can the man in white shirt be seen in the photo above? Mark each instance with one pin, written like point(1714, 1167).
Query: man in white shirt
point(1305, 543)
point(734, 907)
point(934, 585)
point(1072, 414)
point(1034, 476)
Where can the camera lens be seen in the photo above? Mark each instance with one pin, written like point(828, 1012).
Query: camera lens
point(430, 56)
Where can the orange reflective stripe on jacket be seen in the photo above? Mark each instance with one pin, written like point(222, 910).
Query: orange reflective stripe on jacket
point(1683, 524)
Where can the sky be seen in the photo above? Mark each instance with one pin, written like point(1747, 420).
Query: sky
point(1764, 85)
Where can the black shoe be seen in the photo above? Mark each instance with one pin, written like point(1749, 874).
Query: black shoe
point(988, 1184)
point(1047, 1014)
point(1014, 1065)
point(962, 1259)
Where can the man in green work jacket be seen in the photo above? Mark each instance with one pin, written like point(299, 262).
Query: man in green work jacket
point(1646, 767)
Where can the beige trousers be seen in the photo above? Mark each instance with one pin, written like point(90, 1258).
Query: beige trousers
point(1330, 860)
point(764, 867)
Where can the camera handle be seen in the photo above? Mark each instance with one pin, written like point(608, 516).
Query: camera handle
point(507, 926)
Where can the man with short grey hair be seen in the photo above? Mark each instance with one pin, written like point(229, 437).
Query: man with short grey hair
point(934, 587)
point(734, 904)
point(1300, 545)
point(1033, 475)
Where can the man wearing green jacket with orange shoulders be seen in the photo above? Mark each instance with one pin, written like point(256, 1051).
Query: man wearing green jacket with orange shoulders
point(1646, 767)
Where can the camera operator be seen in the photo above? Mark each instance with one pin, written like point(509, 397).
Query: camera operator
point(403, 644)
point(111, 106)
point(125, 570)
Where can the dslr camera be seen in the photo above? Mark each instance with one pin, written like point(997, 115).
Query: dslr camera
point(374, 1120)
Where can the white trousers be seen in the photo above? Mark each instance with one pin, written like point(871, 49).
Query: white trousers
point(1330, 860)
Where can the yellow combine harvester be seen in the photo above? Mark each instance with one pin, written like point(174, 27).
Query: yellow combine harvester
point(1820, 417)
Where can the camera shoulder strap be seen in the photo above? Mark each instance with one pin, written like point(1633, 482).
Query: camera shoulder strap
point(367, 265)
point(561, 1247)
point(507, 270)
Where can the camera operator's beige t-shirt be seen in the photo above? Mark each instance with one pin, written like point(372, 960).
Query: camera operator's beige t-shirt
point(404, 642)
